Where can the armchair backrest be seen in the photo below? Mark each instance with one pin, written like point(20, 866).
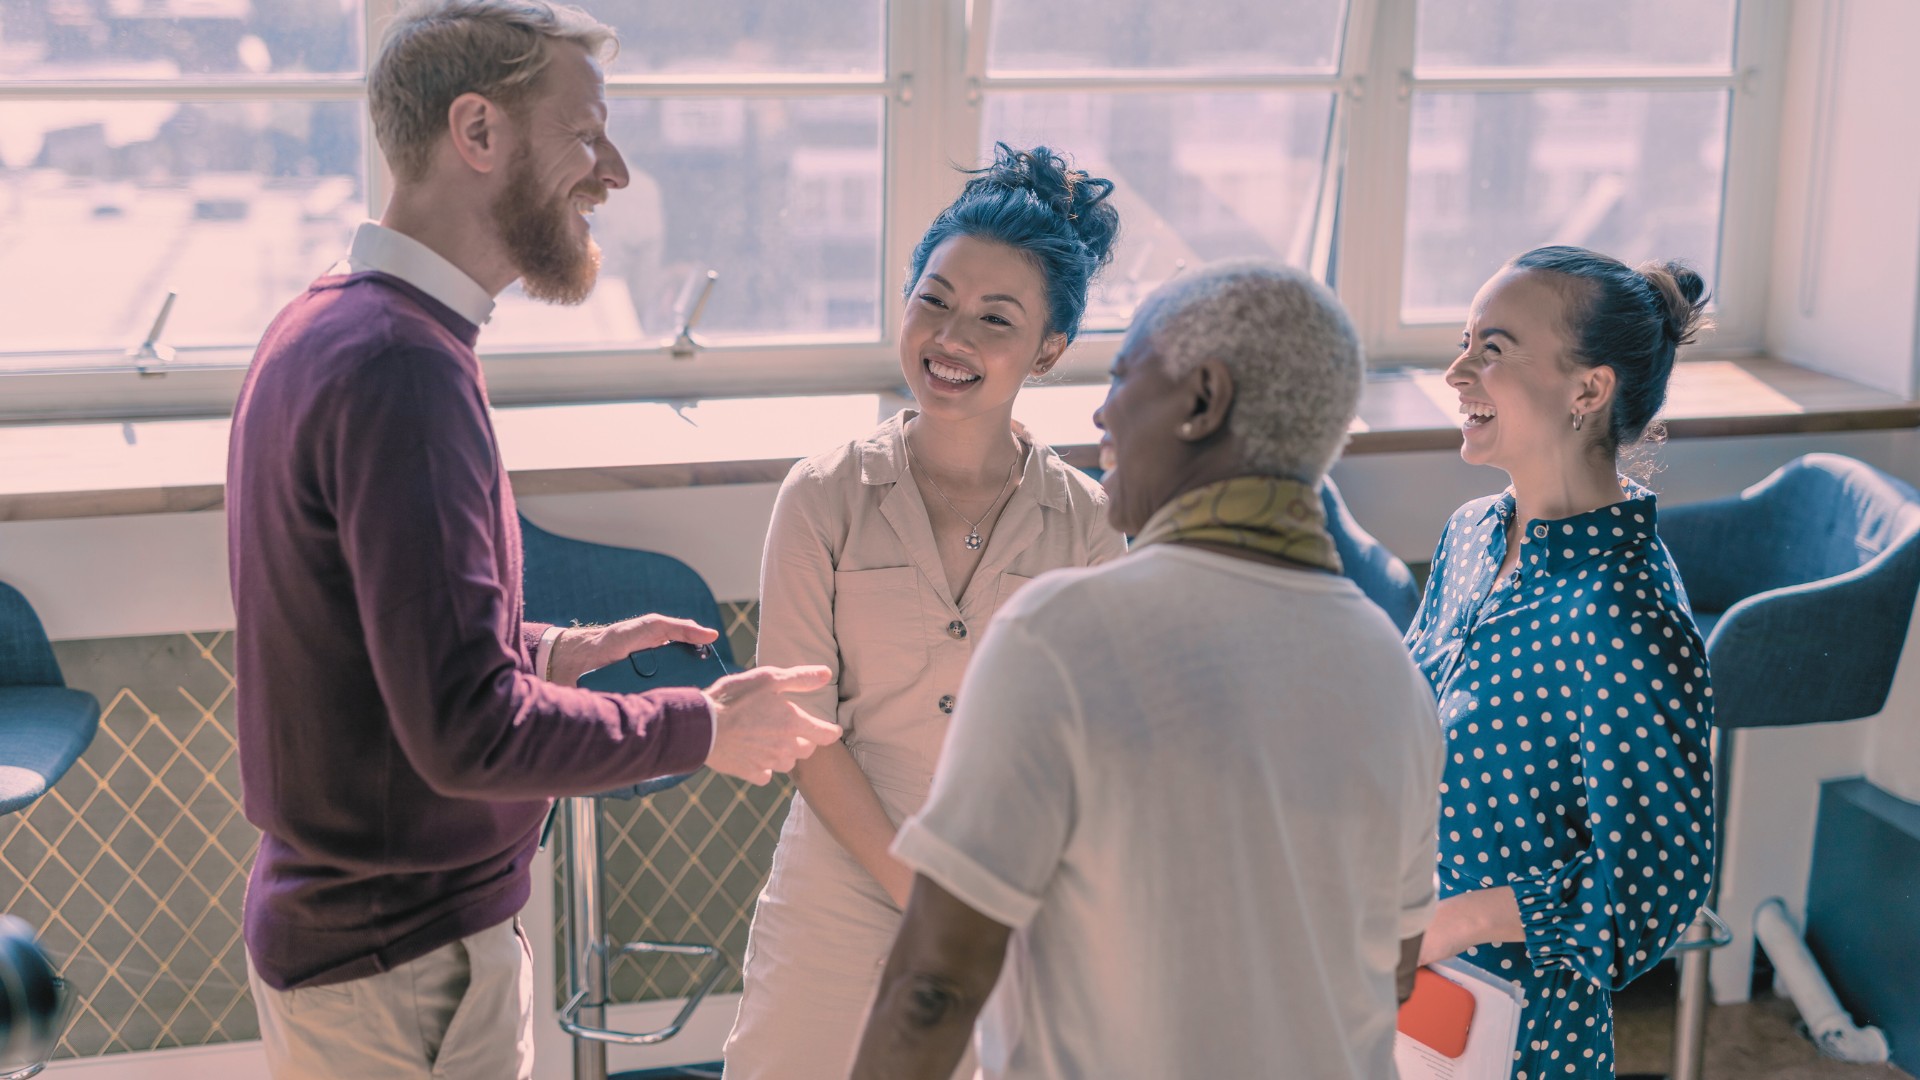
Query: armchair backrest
point(1812, 573)
point(26, 657)
point(1850, 515)
point(571, 581)
point(1817, 517)
point(1379, 572)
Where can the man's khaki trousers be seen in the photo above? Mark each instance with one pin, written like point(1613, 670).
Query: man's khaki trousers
point(461, 1012)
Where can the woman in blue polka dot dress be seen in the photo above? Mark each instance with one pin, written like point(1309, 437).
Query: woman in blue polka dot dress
point(1576, 824)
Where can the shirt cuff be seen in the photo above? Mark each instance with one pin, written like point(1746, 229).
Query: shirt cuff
point(957, 872)
point(543, 655)
point(1544, 914)
point(713, 728)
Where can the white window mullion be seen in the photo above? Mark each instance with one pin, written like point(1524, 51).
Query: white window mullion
point(1355, 41)
point(379, 178)
point(916, 114)
point(968, 32)
point(1157, 82)
point(1374, 202)
point(1548, 80)
point(198, 90)
point(1753, 149)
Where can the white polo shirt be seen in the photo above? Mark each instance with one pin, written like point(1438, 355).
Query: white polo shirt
point(1203, 790)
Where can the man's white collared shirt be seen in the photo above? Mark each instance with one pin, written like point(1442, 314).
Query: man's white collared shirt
point(376, 247)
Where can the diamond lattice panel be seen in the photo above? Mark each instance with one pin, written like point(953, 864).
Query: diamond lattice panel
point(133, 867)
point(687, 865)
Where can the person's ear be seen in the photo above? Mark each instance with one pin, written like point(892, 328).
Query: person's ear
point(1593, 393)
point(1051, 350)
point(1208, 390)
point(480, 132)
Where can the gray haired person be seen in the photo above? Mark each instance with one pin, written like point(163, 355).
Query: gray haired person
point(1187, 802)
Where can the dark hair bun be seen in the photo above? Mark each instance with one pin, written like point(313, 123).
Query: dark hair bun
point(1683, 298)
point(1072, 193)
point(1629, 320)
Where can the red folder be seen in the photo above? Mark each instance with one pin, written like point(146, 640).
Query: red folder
point(1438, 1014)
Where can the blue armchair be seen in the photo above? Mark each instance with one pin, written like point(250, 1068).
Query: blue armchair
point(44, 727)
point(1379, 572)
point(1803, 586)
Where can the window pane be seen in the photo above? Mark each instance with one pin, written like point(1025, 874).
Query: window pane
point(780, 195)
point(1667, 34)
point(1635, 174)
point(1217, 35)
point(838, 37)
point(1197, 177)
point(105, 206)
point(139, 39)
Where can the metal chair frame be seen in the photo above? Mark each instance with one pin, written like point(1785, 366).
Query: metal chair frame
point(591, 955)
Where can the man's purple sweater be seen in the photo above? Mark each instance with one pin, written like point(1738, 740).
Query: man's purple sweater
point(396, 749)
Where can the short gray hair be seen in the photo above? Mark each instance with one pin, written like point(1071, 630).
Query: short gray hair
point(1289, 346)
point(436, 50)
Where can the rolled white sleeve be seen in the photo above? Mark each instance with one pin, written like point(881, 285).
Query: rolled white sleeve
point(1002, 808)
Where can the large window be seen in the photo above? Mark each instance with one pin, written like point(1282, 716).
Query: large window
point(1401, 149)
point(1601, 123)
point(1212, 120)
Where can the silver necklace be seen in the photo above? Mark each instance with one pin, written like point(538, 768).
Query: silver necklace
point(973, 526)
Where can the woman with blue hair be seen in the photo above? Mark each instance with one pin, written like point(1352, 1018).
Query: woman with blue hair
point(886, 558)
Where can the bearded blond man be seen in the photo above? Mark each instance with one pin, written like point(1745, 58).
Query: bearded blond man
point(402, 728)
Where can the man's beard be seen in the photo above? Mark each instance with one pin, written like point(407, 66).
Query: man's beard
point(555, 266)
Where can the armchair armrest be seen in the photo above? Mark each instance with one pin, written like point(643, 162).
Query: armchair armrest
point(1815, 653)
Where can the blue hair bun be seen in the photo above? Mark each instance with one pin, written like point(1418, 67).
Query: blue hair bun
point(1072, 193)
point(1035, 202)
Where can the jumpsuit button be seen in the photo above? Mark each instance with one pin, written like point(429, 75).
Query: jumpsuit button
point(946, 704)
point(1540, 531)
point(957, 630)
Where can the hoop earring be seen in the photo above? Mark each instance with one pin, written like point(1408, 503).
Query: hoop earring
point(1578, 419)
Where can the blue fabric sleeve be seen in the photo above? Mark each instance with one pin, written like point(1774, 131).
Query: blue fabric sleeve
point(1615, 909)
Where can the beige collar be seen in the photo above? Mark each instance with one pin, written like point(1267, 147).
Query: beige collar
point(883, 457)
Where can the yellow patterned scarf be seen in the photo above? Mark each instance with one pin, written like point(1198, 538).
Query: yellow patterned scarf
point(1260, 513)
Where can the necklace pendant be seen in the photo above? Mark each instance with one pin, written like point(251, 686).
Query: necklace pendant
point(973, 541)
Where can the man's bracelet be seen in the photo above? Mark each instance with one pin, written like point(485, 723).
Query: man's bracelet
point(552, 647)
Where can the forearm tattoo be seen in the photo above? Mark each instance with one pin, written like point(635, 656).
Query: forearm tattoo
point(932, 1001)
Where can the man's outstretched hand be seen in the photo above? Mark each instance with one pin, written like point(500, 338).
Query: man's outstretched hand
point(581, 649)
point(758, 730)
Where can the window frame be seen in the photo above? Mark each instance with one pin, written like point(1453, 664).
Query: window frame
point(1373, 235)
point(932, 85)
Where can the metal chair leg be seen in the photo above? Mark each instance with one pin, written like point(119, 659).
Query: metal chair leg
point(1690, 1015)
point(586, 958)
point(63, 1015)
point(589, 955)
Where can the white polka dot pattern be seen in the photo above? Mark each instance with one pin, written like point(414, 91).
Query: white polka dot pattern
point(1575, 700)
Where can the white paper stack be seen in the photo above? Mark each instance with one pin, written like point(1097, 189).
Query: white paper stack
point(1497, 1004)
